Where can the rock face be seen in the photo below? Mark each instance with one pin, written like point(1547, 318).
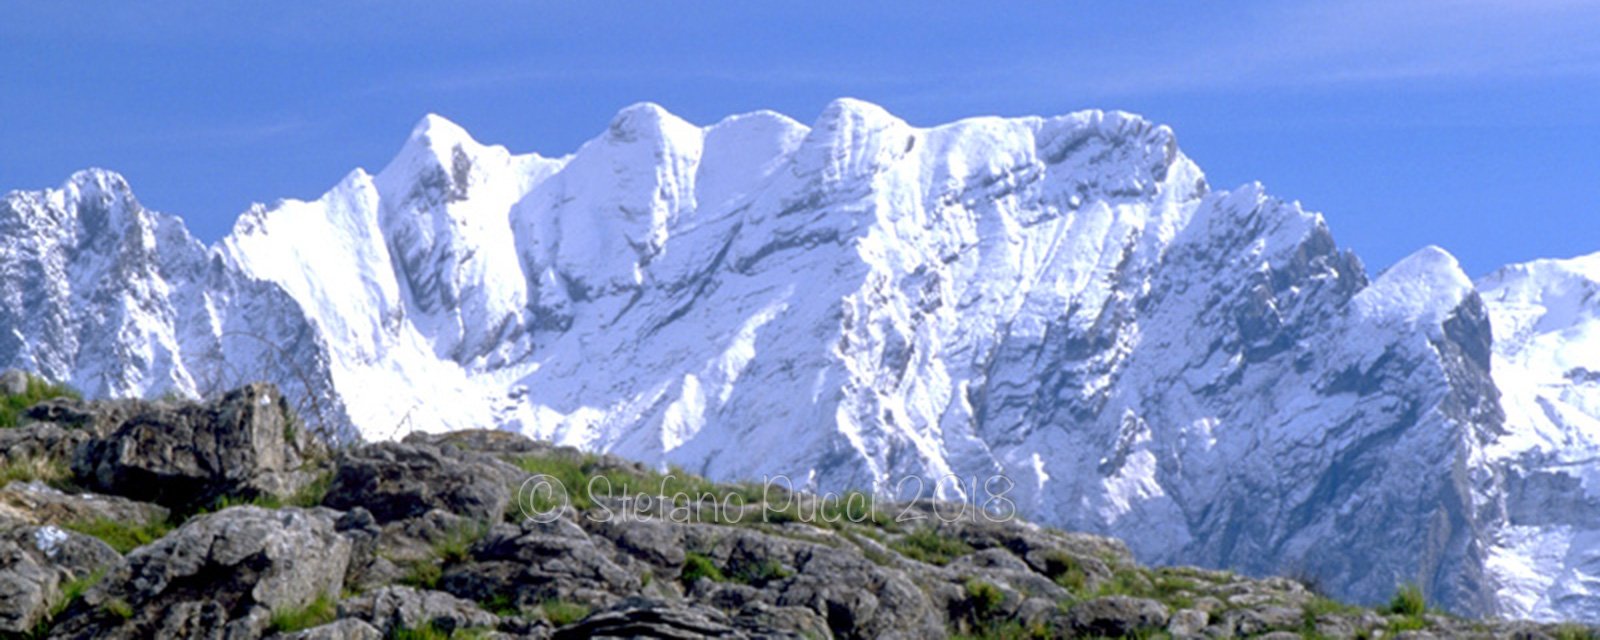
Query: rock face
point(222, 575)
point(421, 542)
point(640, 617)
point(188, 455)
point(394, 481)
point(37, 503)
point(1062, 301)
point(1117, 616)
point(35, 563)
point(392, 608)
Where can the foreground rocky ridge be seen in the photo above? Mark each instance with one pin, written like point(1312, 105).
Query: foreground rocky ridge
point(228, 520)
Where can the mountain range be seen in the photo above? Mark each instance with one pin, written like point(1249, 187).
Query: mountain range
point(1059, 314)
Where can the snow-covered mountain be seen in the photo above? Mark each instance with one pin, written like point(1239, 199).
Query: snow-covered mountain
point(1546, 317)
point(1063, 301)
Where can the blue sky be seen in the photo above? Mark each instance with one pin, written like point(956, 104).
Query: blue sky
point(1474, 124)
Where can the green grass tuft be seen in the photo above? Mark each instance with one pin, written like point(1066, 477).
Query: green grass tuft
point(318, 612)
point(1572, 631)
point(760, 573)
point(12, 407)
point(926, 545)
point(422, 574)
point(51, 471)
point(984, 599)
point(1407, 623)
point(1008, 630)
point(501, 604)
point(122, 536)
point(118, 608)
point(563, 613)
point(697, 566)
point(456, 545)
point(1408, 600)
point(1066, 572)
point(314, 492)
point(1126, 582)
point(583, 479)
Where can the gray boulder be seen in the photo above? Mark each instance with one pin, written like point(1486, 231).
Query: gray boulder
point(649, 618)
point(392, 608)
point(13, 382)
point(1117, 616)
point(762, 620)
point(37, 503)
point(96, 417)
point(535, 562)
point(1187, 623)
point(222, 575)
point(397, 480)
point(41, 441)
point(490, 441)
point(36, 563)
point(857, 597)
point(186, 455)
point(346, 629)
point(1258, 620)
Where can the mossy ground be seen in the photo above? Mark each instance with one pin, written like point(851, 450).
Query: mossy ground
point(13, 406)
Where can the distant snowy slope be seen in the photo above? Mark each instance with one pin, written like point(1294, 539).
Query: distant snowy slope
point(1547, 364)
point(858, 302)
point(122, 301)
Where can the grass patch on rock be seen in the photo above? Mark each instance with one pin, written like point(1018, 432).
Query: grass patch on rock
point(422, 574)
point(13, 406)
point(312, 494)
point(926, 545)
point(1571, 631)
point(1007, 630)
point(1408, 601)
point(761, 572)
point(1066, 571)
point(581, 480)
point(563, 613)
point(984, 599)
point(122, 536)
point(46, 469)
point(117, 608)
point(318, 612)
point(456, 545)
point(431, 632)
point(697, 566)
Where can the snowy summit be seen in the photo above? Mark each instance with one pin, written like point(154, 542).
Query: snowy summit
point(1062, 301)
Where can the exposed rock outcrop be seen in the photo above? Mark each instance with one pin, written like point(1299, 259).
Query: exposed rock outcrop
point(187, 455)
point(440, 535)
point(223, 574)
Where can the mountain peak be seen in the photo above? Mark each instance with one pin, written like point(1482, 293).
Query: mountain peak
point(434, 128)
point(94, 181)
point(852, 114)
point(862, 302)
point(437, 148)
point(1421, 289)
point(856, 108)
point(649, 121)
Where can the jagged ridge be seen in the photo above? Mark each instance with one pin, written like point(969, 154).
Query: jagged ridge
point(1063, 301)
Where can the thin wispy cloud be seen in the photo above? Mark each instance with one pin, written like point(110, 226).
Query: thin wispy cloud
point(1378, 41)
point(222, 134)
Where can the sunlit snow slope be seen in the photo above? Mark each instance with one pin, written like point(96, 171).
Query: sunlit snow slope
point(1546, 318)
point(1062, 301)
